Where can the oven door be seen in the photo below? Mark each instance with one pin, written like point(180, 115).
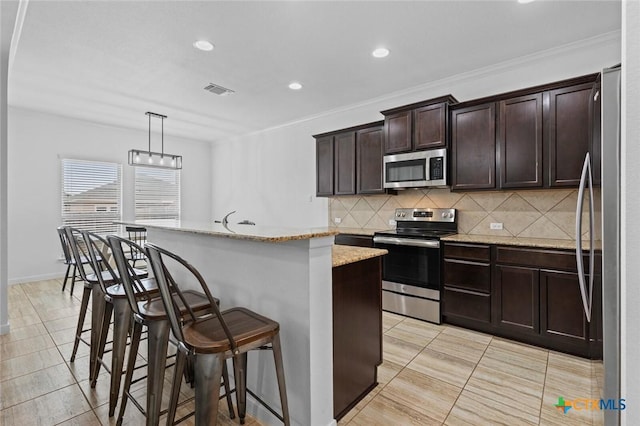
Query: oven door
point(410, 261)
point(411, 277)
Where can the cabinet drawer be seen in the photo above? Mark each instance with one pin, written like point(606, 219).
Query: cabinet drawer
point(465, 304)
point(467, 275)
point(354, 240)
point(543, 259)
point(467, 251)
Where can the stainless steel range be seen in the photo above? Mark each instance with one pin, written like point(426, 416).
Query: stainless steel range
point(411, 281)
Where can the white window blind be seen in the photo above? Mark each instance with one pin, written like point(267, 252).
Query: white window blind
point(91, 195)
point(157, 193)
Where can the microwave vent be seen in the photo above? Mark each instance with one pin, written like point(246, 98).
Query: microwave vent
point(218, 90)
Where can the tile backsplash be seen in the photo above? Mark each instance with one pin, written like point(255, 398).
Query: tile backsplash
point(533, 213)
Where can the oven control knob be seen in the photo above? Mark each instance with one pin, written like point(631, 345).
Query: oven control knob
point(446, 215)
point(403, 214)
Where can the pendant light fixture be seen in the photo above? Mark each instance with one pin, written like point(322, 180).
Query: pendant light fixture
point(155, 159)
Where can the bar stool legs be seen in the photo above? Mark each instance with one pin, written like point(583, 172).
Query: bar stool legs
point(157, 343)
point(277, 357)
point(81, 317)
point(208, 372)
point(240, 368)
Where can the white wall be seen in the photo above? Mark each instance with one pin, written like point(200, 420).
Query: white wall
point(37, 142)
point(269, 176)
point(630, 176)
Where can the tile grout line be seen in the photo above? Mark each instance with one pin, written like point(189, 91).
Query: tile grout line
point(544, 386)
point(465, 384)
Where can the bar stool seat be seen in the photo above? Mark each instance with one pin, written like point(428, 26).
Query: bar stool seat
point(154, 309)
point(246, 326)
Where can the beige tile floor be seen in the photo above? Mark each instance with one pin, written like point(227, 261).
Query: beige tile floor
point(431, 374)
point(434, 375)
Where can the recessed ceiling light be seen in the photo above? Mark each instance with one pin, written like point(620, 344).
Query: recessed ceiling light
point(203, 45)
point(380, 52)
point(294, 85)
point(525, 1)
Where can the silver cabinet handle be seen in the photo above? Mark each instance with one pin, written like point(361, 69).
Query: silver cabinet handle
point(407, 242)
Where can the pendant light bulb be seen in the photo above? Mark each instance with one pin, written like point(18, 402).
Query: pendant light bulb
point(173, 161)
point(162, 161)
point(137, 157)
point(150, 159)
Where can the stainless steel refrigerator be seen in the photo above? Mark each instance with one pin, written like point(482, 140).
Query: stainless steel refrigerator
point(603, 219)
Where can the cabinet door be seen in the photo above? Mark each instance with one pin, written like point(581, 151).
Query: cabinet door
point(562, 316)
point(324, 166)
point(520, 141)
point(473, 147)
point(516, 299)
point(569, 133)
point(397, 132)
point(429, 124)
point(345, 163)
point(369, 153)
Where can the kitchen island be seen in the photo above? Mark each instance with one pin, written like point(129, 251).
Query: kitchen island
point(357, 324)
point(281, 273)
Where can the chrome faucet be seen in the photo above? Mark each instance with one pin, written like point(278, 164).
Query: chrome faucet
point(225, 219)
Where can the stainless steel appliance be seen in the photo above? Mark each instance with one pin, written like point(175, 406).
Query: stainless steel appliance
point(411, 283)
point(605, 373)
point(416, 169)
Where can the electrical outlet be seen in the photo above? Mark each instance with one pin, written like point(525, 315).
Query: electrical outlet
point(392, 222)
point(495, 225)
point(337, 219)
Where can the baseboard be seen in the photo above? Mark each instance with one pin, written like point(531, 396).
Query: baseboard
point(32, 278)
point(4, 329)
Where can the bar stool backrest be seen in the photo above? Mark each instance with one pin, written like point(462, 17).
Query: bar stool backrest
point(66, 246)
point(168, 287)
point(78, 249)
point(97, 248)
point(131, 281)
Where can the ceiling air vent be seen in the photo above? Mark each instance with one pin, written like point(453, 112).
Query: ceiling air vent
point(218, 90)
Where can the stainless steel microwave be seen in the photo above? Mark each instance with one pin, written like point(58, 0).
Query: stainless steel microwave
point(416, 169)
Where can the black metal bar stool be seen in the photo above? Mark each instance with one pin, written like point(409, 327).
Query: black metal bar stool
point(148, 310)
point(78, 250)
point(213, 338)
point(138, 235)
point(69, 259)
point(110, 299)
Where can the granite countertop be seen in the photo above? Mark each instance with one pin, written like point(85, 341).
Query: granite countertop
point(343, 255)
point(235, 231)
point(518, 241)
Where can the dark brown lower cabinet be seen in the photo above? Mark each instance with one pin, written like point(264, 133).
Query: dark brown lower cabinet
point(562, 316)
point(533, 295)
point(357, 332)
point(516, 299)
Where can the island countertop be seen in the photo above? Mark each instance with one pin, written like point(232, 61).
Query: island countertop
point(236, 231)
point(344, 255)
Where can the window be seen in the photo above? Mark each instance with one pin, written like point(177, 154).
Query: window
point(91, 195)
point(157, 193)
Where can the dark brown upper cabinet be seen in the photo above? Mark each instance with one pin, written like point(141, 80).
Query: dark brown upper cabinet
point(569, 126)
point(473, 147)
point(418, 126)
point(324, 166)
point(397, 132)
point(540, 137)
point(520, 141)
point(369, 153)
point(349, 161)
point(344, 163)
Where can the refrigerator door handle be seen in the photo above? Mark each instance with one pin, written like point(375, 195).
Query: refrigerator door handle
point(586, 299)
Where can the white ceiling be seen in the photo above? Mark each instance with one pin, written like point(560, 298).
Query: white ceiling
point(110, 61)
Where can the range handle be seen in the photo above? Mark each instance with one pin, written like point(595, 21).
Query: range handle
point(406, 242)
